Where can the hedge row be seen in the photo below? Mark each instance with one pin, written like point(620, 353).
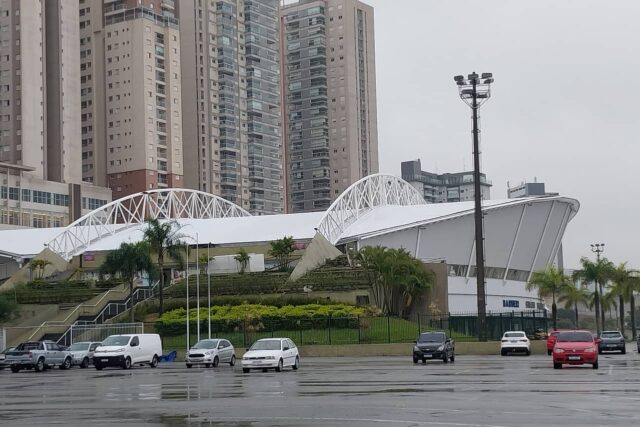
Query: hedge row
point(256, 317)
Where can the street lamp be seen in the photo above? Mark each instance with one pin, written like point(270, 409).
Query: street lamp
point(598, 248)
point(475, 90)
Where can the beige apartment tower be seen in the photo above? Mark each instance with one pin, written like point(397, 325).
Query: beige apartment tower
point(330, 117)
point(131, 95)
point(40, 88)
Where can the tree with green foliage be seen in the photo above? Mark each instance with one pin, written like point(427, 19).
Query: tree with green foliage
point(622, 287)
point(549, 283)
point(164, 241)
point(609, 305)
point(204, 263)
point(572, 295)
point(597, 272)
point(396, 277)
point(281, 250)
point(634, 286)
point(129, 260)
point(38, 266)
point(242, 258)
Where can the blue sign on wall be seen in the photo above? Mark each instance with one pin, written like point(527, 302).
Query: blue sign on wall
point(510, 303)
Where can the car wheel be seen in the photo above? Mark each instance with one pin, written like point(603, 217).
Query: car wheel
point(189, 365)
point(85, 363)
point(503, 352)
point(424, 361)
point(39, 367)
point(127, 363)
point(246, 370)
point(415, 359)
point(154, 362)
point(445, 359)
point(15, 369)
point(557, 366)
point(66, 364)
point(232, 362)
point(453, 357)
point(549, 352)
point(296, 364)
point(207, 365)
point(599, 351)
point(97, 366)
point(595, 365)
point(279, 367)
point(528, 352)
point(624, 351)
point(216, 362)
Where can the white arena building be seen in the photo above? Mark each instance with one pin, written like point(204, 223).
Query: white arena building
point(521, 235)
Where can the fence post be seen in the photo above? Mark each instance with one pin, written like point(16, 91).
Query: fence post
point(244, 333)
point(389, 329)
point(419, 325)
point(272, 329)
point(300, 333)
point(329, 324)
point(358, 319)
point(449, 323)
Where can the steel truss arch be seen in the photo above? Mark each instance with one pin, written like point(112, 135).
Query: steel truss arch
point(135, 209)
point(363, 196)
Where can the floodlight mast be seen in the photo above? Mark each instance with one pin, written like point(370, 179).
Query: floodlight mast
point(474, 91)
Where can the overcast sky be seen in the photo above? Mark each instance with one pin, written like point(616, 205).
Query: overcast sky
point(564, 106)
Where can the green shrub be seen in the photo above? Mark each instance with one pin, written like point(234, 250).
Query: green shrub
point(9, 309)
point(256, 317)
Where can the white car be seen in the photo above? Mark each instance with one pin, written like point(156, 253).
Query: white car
point(271, 353)
point(515, 341)
point(128, 350)
point(211, 352)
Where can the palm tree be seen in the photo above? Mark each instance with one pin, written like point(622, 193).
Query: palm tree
point(598, 273)
point(622, 287)
point(572, 295)
point(281, 250)
point(242, 258)
point(608, 304)
point(165, 242)
point(127, 261)
point(397, 278)
point(634, 286)
point(549, 283)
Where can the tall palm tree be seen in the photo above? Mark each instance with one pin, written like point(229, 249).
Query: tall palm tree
point(608, 304)
point(549, 283)
point(598, 273)
point(634, 286)
point(622, 288)
point(572, 295)
point(164, 241)
point(127, 261)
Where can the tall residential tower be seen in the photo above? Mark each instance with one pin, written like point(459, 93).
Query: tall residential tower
point(231, 101)
point(329, 95)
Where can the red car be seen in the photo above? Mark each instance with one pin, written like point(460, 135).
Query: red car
point(575, 348)
point(551, 339)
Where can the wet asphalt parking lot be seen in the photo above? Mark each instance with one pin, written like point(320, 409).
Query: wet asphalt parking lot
point(384, 391)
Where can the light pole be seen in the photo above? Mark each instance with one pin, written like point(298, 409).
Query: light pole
point(598, 248)
point(474, 91)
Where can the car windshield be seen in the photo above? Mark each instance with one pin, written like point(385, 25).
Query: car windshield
point(611, 335)
point(28, 346)
point(575, 337)
point(266, 345)
point(79, 346)
point(116, 340)
point(206, 344)
point(431, 337)
point(514, 335)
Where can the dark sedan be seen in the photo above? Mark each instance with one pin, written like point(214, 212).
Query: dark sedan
point(434, 345)
point(612, 341)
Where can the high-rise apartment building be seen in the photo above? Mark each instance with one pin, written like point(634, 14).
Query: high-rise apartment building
point(231, 101)
point(40, 144)
point(131, 94)
point(39, 88)
point(329, 92)
point(444, 187)
point(528, 189)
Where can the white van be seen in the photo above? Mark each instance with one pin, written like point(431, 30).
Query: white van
point(128, 350)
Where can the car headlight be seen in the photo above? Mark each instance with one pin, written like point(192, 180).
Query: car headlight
point(558, 350)
point(590, 350)
point(270, 357)
point(416, 348)
point(441, 348)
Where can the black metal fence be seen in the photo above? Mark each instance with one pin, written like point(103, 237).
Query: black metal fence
point(362, 330)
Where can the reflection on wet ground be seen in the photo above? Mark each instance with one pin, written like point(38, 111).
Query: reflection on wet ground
point(474, 391)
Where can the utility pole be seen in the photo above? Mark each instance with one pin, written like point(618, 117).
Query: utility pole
point(598, 248)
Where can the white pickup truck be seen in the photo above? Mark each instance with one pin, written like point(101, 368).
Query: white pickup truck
point(38, 355)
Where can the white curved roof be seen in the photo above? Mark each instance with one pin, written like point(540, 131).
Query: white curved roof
point(259, 229)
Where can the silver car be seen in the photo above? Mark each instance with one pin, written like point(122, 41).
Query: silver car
point(83, 353)
point(211, 352)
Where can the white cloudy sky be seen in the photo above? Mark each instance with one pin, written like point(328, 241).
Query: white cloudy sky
point(564, 106)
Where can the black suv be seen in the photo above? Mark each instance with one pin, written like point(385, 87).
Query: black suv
point(434, 345)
